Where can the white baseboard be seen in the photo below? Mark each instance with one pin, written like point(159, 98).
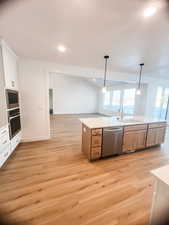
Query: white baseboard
point(35, 139)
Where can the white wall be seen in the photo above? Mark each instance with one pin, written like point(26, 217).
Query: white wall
point(34, 97)
point(73, 95)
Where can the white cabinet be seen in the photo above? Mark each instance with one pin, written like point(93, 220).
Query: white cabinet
point(10, 66)
point(4, 154)
point(3, 107)
point(5, 146)
point(8, 80)
point(15, 141)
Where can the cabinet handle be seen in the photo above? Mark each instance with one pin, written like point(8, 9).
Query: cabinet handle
point(6, 154)
point(4, 132)
point(4, 142)
point(13, 117)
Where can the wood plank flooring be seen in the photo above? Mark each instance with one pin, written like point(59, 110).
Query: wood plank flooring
point(52, 183)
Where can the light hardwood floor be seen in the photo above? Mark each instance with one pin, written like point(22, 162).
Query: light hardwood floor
point(52, 183)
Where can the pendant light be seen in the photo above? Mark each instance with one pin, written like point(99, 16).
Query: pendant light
point(106, 57)
point(138, 92)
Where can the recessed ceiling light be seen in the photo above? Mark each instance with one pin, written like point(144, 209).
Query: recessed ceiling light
point(61, 48)
point(149, 11)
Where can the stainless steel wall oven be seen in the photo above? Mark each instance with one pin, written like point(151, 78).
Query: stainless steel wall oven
point(12, 98)
point(14, 122)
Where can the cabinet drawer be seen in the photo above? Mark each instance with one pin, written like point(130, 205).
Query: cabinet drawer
point(96, 149)
point(4, 140)
point(135, 127)
point(96, 132)
point(4, 131)
point(95, 153)
point(15, 141)
point(4, 154)
point(4, 148)
point(96, 141)
point(156, 125)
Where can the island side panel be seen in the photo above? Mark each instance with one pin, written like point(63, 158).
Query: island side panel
point(86, 140)
point(159, 213)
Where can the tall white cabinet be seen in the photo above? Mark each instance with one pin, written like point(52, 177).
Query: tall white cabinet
point(3, 108)
point(8, 80)
point(10, 65)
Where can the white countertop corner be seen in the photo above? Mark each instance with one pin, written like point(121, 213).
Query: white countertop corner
point(162, 174)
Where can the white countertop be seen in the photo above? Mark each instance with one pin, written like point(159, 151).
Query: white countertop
point(162, 174)
point(101, 122)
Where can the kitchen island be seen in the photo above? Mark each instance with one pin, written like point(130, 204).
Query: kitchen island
point(107, 136)
point(160, 204)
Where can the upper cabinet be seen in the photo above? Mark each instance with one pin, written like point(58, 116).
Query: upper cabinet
point(3, 108)
point(10, 65)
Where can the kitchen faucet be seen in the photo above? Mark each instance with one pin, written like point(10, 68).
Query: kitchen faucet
point(121, 113)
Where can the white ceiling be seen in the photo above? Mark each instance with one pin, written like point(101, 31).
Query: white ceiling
point(90, 29)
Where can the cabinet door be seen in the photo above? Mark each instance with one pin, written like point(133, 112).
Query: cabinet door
point(155, 136)
point(160, 135)
point(151, 137)
point(134, 140)
point(3, 113)
point(10, 67)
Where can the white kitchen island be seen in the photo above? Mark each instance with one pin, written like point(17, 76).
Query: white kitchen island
point(160, 205)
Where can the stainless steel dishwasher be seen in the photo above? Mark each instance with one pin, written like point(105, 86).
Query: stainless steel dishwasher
point(112, 141)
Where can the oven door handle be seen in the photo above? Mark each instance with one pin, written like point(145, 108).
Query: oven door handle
point(12, 117)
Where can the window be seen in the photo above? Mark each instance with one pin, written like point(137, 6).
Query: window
point(116, 98)
point(106, 98)
point(119, 99)
point(129, 101)
point(161, 102)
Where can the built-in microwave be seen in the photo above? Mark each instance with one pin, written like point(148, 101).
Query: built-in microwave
point(12, 98)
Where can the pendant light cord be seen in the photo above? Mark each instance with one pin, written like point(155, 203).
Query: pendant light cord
point(139, 84)
point(105, 69)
